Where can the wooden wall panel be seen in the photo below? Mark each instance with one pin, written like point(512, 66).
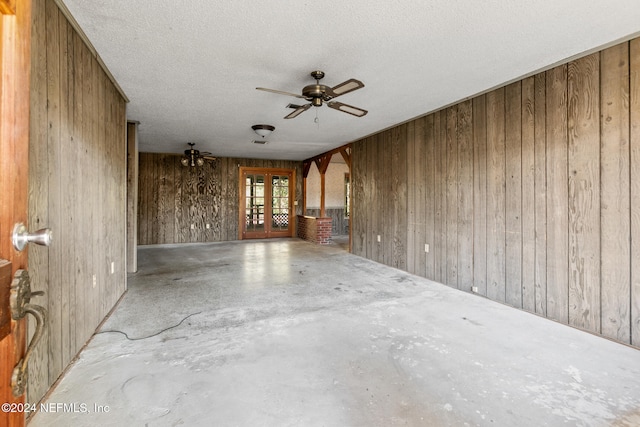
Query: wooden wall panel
point(634, 104)
point(399, 223)
point(77, 188)
point(614, 181)
point(540, 148)
point(465, 195)
point(427, 196)
point(513, 194)
point(528, 193)
point(174, 198)
point(451, 198)
point(496, 183)
point(557, 205)
point(584, 192)
point(480, 194)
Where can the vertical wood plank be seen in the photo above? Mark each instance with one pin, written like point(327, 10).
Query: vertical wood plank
point(38, 195)
point(411, 184)
point(496, 178)
point(584, 193)
point(615, 208)
point(634, 104)
point(451, 194)
point(480, 194)
point(68, 199)
point(513, 194)
point(440, 246)
point(465, 195)
point(540, 124)
point(528, 195)
point(557, 196)
point(421, 188)
point(56, 211)
point(428, 196)
point(398, 236)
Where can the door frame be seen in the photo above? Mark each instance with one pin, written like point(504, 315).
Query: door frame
point(242, 199)
point(15, 65)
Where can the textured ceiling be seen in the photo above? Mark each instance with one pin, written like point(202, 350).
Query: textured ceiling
point(190, 68)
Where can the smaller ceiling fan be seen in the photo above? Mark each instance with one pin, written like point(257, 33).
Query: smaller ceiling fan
point(318, 93)
point(193, 157)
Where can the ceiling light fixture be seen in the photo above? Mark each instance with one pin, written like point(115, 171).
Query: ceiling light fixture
point(263, 130)
point(193, 157)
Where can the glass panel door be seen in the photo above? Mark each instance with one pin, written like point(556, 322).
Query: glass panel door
point(267, 205)
point(254, 203)
point(279, 203)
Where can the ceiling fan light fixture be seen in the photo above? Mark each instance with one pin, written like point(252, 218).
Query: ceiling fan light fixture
point(193, 157)
point(263, 130)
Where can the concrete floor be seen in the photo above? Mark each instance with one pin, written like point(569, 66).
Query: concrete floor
point(286, 333)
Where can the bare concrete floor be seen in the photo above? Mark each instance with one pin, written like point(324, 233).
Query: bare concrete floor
point(286, 333)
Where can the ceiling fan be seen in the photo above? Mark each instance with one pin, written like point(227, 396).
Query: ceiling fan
point(193, 157)
point(318, 93)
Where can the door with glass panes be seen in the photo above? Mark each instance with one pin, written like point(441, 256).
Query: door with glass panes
point(266, 203)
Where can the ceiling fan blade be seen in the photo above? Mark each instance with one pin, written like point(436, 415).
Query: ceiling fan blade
point(359, 112)
point(297, 111)
point(346, 87)
point(280, 92)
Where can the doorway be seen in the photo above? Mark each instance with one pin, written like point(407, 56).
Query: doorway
point(266, 203)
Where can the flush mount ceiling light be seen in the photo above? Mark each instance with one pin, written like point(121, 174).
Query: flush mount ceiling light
point(193, 157)
point(263, 130)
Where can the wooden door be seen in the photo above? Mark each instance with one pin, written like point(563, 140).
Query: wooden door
point(14, 149)
point(266, 203)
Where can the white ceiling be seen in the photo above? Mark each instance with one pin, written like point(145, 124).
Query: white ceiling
point(190, 68)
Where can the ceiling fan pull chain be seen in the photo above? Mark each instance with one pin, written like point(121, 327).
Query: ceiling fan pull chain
point(317, 120)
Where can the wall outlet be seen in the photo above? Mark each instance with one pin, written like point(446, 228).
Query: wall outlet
point(193, 226)
point(113, 267)
point(379, 238)
point(295, 203)
point(474, 289)
point(426, 247)
point(95, 281)
point(208, 226)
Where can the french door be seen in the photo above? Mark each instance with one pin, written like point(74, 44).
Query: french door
point(266, 203)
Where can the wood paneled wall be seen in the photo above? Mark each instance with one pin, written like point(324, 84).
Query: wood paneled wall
point(529, 193)
point(172, 197)
point(77, 186)
point(339, 224)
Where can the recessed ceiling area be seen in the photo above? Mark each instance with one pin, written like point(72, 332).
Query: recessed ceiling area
point(190, 71)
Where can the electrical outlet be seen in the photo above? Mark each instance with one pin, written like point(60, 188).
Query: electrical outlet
point(379, 238)
point(208, 226)
point(113, 267)
point(474, 289)
point(95, 281)
point(193, 226)
point(426, 247)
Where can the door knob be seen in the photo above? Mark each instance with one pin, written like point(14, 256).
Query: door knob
point(21, 237)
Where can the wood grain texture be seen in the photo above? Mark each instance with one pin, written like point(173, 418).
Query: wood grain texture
point(634, 166)
point(38, 198)
point(540, 125)
point(451, 196)
point(496, 183)
point(557, 196)
point(172, 197)
point(78, 190)
point(399, 189)
point(528, 195)
point(513, 194)
point(584, 192)
point(440, 206)
point(427, 196)
point(465, 195)
point(411, 179)
point(615, 186)
point(480, 194)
